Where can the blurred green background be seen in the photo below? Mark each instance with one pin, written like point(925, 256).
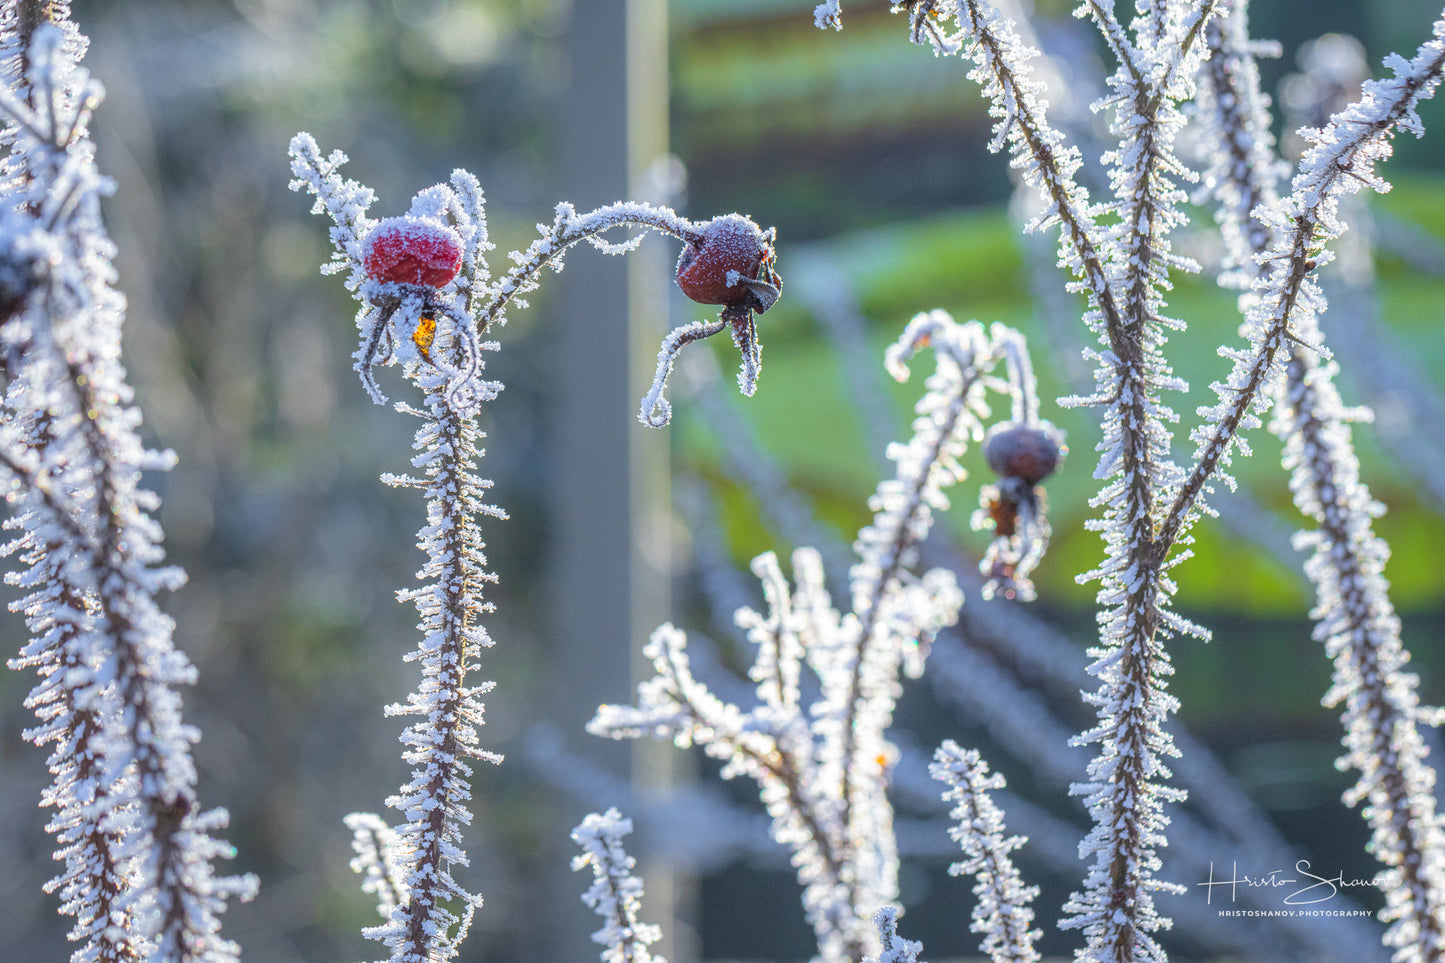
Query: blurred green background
point(869, 157)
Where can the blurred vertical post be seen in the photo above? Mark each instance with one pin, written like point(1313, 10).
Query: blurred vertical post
point(610, 495)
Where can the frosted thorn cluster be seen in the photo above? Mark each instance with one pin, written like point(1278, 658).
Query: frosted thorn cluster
point(615, 893)
point(137, 847)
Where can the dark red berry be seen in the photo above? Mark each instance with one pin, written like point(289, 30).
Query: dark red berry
point(713, 270)
point(409, 250)
point(1027, 452)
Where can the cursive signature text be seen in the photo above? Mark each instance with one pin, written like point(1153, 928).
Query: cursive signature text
point(1322, 888)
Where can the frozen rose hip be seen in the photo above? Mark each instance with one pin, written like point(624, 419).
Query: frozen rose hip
point(730, 252)
point(409, 250)
point(1027, 452)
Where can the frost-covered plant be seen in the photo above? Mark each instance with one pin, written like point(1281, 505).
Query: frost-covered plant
point(1176, 64)
point(895, 949)
point(1002, 913)
point(1120, 255)
point(823, 763)
point(1356, 619)
point(427, 297)
point(615, 893)
point(403, 296)
point(137, 847)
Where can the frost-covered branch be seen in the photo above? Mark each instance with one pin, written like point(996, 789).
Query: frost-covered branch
point(1125, 793)
point(567, 228)
point(426, 295)
point(894, 948)
point(411, 272)
point(615, 893)
point(375, 844)
point(726, 261)
point(1356, 619)
point(1286, 297)
point(138, 850)
point(1002, 914)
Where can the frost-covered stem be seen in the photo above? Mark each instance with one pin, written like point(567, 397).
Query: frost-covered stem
point(154, 739)
point(615, 894)
point(436, 750)
point(655, 409)
point(375, 845)
point(772, 747)
point(1357, 621)
point(1361, 633)
point(567, 229)
point(775, 758)
point(410, 867)
point(129, 790)
point(1130, 60)
point(1115, 907)
point(423, 927)
point(1341, 163)
point(344, 201)
point(1047, 163)
point(895, 949)
point(1002, 914)
point(886, 548)
point(1021, 374)
point(96, 874)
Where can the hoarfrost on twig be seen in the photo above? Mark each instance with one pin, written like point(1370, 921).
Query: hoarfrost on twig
point(615, 893)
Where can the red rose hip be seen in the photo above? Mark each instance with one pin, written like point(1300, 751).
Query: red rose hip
point(1028, 452)
point(731, 251)
point(410, 250)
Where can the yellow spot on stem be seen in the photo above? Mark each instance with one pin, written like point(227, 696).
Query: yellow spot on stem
point(426, 331)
